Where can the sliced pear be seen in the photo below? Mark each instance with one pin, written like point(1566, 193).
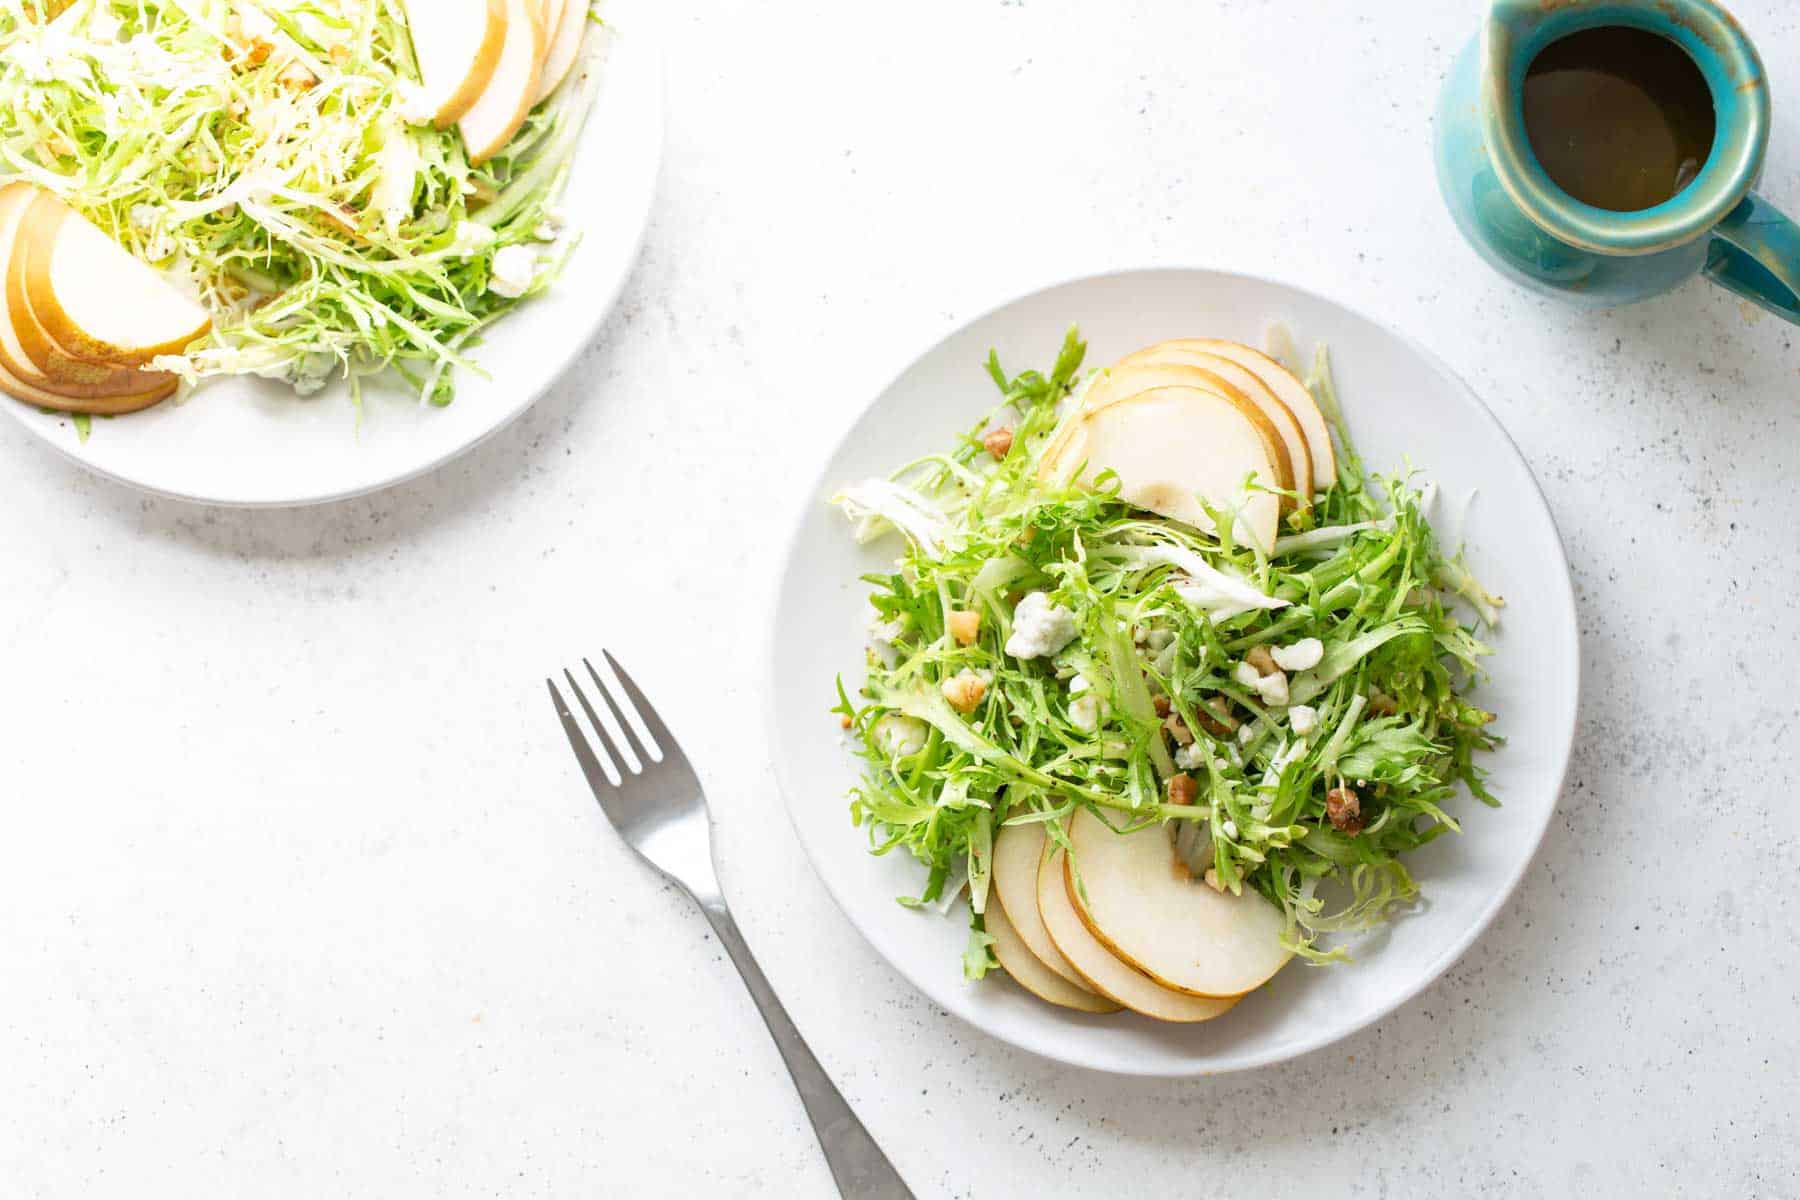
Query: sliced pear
point(1144, 906)
point(1172, 446)
point(1097, 965)
point(457, 45)
point(1029, 972)
point(508, 97)
point(48, 363)
point(1017, 852)
point(15, 200)
point(1125, 380)
point(97, 301)
point(1292, 393)
point(565, 46)
point(1250, 385)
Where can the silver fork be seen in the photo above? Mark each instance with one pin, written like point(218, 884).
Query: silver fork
point(653, 798)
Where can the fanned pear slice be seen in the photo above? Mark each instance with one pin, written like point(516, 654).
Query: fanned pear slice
point(1144, 906)
point(1018, 849)
point(1171, 447)
point(1126, 379)
point(15, 200)
point(51, 364)
point(1251, 385)
point(457, 46)
point(1029, 972)
point(94, 299)
point(1100, 968)
point(508, 97)
point(1292, 392)
point(565, 46)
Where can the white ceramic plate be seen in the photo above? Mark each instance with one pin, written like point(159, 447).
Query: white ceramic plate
point(1400, 401)
point(252, 442)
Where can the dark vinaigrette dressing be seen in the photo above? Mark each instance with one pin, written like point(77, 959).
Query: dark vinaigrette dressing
point(1618, 117)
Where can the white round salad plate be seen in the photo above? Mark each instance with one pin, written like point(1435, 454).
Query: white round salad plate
point(1402, 405)
point(255, 443)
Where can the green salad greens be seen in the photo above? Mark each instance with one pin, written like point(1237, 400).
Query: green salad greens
point(272, 154)
point(1036, 649)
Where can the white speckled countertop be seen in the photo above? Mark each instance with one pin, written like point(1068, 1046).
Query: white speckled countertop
point(301, 895)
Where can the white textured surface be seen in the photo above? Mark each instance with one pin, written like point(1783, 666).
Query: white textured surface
point(301, 895)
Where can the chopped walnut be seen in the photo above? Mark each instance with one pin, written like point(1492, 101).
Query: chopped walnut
point(1260, 658)
point(1161, 705)
point(1344, 810)
point(1382, 705)
point(296, 77)
point(1183, 790)
point(965, 691)
point(998, 441)
point(964, 626)
point(1216, 719)
point(1177, 729)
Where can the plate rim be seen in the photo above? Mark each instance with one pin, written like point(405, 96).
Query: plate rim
point(645, 33)
point(1562, 598)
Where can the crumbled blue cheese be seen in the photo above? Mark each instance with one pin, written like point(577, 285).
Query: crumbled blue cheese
point(898, 735)
point(1273, 689)
point(512, 272)
point(1247, 675)
point(1040, 628)
point(1190, 758)
point(414, 103)
point(1303, 719)
point(472, 237)
point(1303, 655)
point(1084, 712)
point(883, 635)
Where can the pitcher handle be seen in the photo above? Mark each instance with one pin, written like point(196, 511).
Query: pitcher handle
point(1755, 252)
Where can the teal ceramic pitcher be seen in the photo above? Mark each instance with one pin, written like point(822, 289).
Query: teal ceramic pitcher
point(1533, 231)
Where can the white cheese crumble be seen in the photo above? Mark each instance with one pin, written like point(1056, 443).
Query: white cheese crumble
point(1229, 828)
point(1273, 689)
point(1247, 675)
point(415, 104)
point(1084, 712)
point(512, 272)
point(1190, 757)
point(898, 735)
point(1040, 628)
point(1303, 719)
point(883, 635)
point(1303, 655)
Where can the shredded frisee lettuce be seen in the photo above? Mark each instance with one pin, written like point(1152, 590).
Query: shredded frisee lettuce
point(271, 155)
point(1163, 618)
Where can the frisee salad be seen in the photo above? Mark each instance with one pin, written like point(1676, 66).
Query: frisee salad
point(273, 155)
point(1040, 648)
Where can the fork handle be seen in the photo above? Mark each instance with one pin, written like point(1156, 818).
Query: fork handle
point(861, 1170)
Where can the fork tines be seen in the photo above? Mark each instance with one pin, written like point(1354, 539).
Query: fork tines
point(630, 735)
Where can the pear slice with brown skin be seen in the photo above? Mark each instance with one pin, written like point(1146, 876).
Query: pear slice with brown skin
point(94, 300)
point(1018, 849)
point(1170, 448)
point(1100, 968)
point(1128, 378)
point(1252, 386)
point(512, 91)
point(456, 44)
point(21, 378)
point(1029, 972)
point(565, 46)
point(1291, 392)
point(1142, 904)
point(61, 371)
